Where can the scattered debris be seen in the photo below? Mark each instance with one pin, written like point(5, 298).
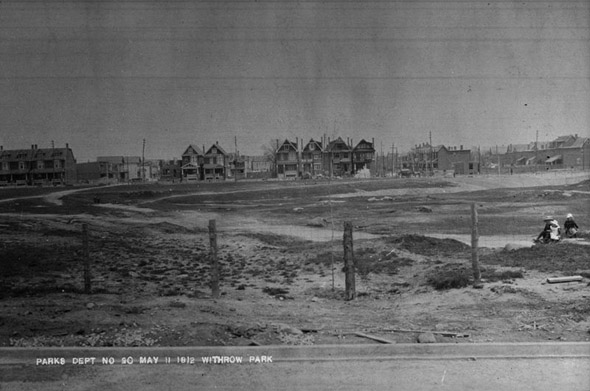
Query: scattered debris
point(317, 222)
point(426, 338)
point(555, 280)
point(285, 328)
point(443, 333)
point(378, 339)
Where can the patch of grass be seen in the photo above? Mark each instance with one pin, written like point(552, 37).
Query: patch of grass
point(456, 277)
point(33, 261)
point(449, 279)
point(560, 257)
point(326, 258)
point(277, 240)
point(502, 276)
point(275, 291)
point(326, 293)
point(382, 263)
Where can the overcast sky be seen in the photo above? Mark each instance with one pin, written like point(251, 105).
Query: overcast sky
point(104, 75)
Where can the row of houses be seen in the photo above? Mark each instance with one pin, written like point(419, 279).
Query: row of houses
point(565, 151)
point(289, 159)
point(426, 158)
point(323, 157)
point(37, 166)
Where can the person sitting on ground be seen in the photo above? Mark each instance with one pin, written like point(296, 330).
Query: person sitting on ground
point(551, 232)
point(570, 226)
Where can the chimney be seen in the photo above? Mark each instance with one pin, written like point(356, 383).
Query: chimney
point(461, 147)
point(67, 146)
point(32, 146)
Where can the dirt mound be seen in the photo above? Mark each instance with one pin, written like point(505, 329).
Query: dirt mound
point(563, 257)
point(424, 245)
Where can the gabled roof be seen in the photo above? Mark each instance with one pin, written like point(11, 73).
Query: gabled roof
point(287, 142)
point(364, 142)
point(221, 150)
point(563, 139)
point(332, 144)
point(578, 143)
point(317, 145)
point(192, 150)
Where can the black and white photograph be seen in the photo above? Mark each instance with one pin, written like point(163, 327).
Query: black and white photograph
point(295, 195)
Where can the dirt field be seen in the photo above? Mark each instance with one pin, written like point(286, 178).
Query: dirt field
point(280, 247)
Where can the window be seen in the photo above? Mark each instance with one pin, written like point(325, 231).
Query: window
point(22, 166)
point(57, 164)
point(5, 166)
point(40, 164)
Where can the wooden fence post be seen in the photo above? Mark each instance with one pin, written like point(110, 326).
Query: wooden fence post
point(349, 262)
point(213, 262)
point(474, 247)
point(86, 255)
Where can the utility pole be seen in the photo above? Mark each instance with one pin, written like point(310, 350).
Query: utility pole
point(392, 160)
point(478, 160)
point(53, 160)
point(143, 162)
point(431, 167)
point(382, 160)
point(536, 150)
point(236, 159)
point(498, 155)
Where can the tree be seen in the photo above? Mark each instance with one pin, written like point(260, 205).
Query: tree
point(269, 152)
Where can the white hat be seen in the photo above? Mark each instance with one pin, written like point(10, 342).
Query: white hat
point(547, 218)
point(570, 216)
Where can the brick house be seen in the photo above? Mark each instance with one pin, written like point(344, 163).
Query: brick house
point(37, 166)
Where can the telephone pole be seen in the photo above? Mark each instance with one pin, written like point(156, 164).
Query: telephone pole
point(431, 167)
point(393, 160)
point(143, 162)
point(536, 150)
point(382, 160)
point(236, 159)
